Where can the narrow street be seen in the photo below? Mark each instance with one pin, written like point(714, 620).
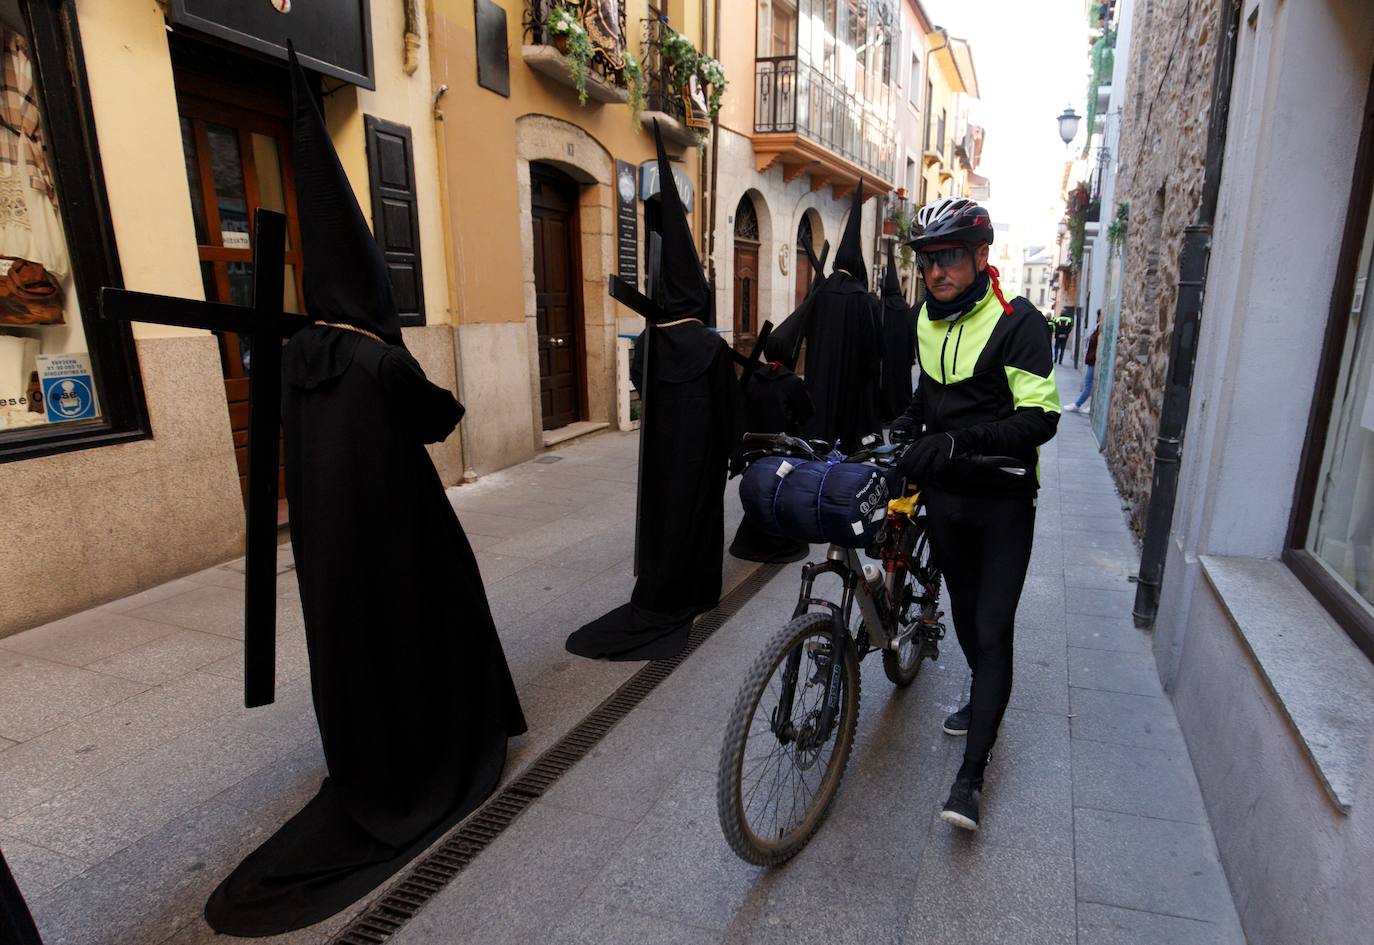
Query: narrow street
point(131, 781)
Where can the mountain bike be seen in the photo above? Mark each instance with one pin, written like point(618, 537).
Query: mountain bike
point(791, 730)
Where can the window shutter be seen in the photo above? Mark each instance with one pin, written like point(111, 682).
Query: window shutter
point(395, 213)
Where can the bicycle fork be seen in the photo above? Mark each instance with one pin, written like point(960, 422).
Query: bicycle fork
point(840, 651)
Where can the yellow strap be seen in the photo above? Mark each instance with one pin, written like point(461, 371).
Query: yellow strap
point(354, 328)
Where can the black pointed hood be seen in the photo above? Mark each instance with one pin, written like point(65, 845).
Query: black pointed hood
point(850, 256)
point(892, 285)
point(685, 293)
point(344, 273)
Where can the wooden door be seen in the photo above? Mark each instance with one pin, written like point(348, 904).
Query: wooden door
point(803, 279)
point(557, 280)
point(746, 295)
point(237, 151)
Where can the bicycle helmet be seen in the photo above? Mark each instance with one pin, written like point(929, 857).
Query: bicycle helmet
point(952, 220)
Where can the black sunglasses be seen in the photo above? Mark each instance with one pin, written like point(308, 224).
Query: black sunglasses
point(944, 258)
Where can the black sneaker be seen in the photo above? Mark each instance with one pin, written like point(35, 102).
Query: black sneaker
point(961, 809)
point(956, 723)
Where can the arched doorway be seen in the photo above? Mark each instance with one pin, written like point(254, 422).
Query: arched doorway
point(808, 234)
point(557, 293)
point(746, 275)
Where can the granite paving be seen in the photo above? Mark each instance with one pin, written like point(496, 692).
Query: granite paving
point(132, 780)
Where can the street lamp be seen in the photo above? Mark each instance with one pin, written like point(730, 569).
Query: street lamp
point(1068, 125)
point(1063, 228)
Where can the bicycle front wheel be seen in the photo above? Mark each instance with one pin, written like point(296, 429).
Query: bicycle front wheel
point(778, 772)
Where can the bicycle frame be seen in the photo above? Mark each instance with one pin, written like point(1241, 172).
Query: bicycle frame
point(845, 563)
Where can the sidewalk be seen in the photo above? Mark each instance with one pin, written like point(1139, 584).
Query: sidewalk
point(131, 779)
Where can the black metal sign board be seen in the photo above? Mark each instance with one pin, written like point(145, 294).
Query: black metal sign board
point(626, 224)
point(332, 37)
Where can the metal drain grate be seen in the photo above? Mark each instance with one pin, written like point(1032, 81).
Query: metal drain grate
point(407, 896)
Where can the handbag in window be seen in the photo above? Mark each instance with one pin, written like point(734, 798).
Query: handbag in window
point(28, 294)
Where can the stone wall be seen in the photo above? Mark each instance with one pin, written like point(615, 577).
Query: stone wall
point(1164, 121)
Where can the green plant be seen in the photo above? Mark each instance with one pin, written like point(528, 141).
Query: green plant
point(684, 61)
point(1077, 206)
point(1116, 231)
point(635, 85)
point(563, 22)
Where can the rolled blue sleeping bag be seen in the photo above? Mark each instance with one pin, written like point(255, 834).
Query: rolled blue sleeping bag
point(815, 501)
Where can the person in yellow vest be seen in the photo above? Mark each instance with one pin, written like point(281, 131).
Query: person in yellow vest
point(987, 388)
point(1063, 325)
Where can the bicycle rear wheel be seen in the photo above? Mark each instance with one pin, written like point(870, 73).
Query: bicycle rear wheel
point(777, 776)
point(902, 665)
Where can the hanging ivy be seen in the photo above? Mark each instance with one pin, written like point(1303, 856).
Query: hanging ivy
point(1116, 230)
point(1077, 207)
point(635, 85)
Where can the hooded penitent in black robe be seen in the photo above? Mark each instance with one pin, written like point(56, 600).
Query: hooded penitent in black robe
point(840, 323)
point(412, 693)
point(16, 924)
point(690, 432)
point(899, 344)
point(775, 401)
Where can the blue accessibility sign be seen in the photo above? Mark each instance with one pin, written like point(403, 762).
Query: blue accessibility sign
point(68, 390)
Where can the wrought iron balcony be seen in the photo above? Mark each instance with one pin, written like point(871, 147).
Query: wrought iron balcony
point(795, 97)
point(662, 100)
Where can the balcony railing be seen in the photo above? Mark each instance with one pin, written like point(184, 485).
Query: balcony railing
point(536, 25)
point(659, 93)
point(798, 98)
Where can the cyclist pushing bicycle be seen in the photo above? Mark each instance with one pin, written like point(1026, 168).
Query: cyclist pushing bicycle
point(954, 492)
point(986, 387)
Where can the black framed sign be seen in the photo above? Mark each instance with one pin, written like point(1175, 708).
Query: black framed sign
point(332, 37)
point(493, 55)
point(626, 223)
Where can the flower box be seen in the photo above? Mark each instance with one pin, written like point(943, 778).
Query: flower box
point(550, 61)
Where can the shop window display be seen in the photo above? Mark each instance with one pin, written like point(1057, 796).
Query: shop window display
point(46, 373)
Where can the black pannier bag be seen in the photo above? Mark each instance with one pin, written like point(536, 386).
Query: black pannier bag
point(816, 501)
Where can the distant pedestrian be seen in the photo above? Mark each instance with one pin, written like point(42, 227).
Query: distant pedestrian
point(1062, 326)
point(1090, 360)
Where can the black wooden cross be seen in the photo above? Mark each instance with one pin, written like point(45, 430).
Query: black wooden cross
point(627, 295)
point(266, 325)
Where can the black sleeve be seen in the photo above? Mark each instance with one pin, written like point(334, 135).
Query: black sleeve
point(637, 362)
point(427, 410)
point(1029, 366)
point(730, 413)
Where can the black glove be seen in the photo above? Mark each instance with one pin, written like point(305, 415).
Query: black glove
point(903, 430)
point(926, 458)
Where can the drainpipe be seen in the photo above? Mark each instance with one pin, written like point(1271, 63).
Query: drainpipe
point(451, 273)
point(1192, 281)
point(930, 104)
point(715, 158)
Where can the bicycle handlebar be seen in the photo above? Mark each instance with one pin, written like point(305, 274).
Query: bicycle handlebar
point(882, 454)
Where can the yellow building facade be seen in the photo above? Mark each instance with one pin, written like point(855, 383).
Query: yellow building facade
point(948, 148)
point(533, 181)
point(160, 132)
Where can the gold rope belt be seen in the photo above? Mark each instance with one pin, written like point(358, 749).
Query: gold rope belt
point(680, 321)
point(347, 327)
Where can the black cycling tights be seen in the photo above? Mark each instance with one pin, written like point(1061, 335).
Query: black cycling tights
point(983, 546)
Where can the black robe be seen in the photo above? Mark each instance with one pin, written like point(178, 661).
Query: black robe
point(839, 322)
point(16, 924)
point(411, 688)
point(691, 430)
point(775, 402)
point(899, 355)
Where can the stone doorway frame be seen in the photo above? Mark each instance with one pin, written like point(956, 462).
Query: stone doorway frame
point(547, 140)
